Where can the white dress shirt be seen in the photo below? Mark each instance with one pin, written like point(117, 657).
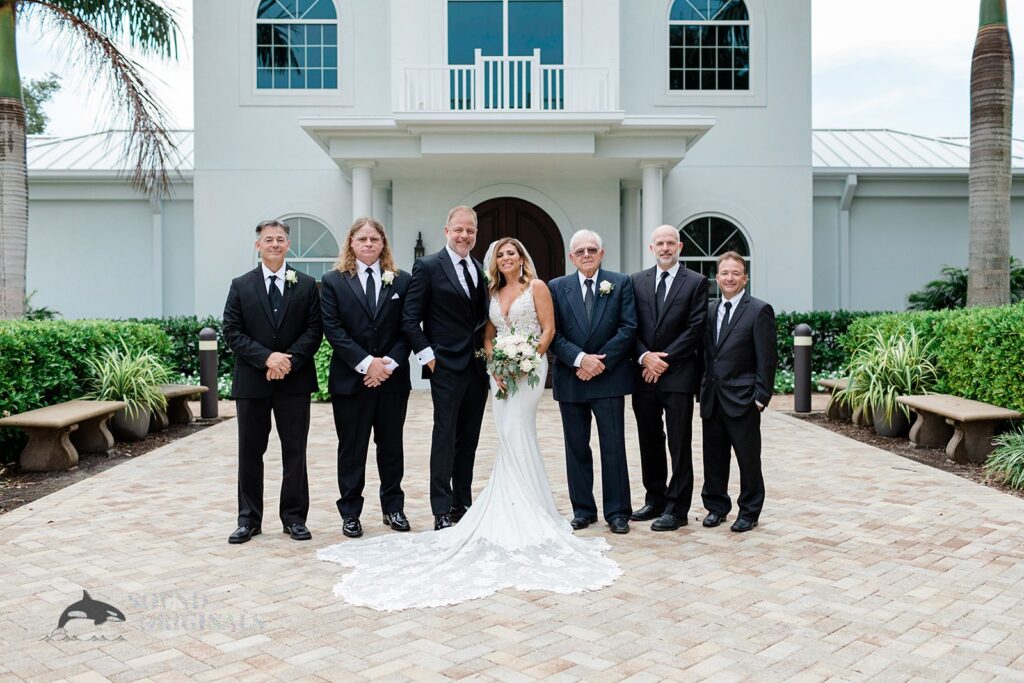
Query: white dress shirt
point(721, 311)
point(426, 355)
point(267, 272)
point(364, 364)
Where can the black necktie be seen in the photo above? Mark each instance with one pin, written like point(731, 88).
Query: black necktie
point(588, 300)
point(659, 296)
point(274, 294)
point(371, 292)
point(469, 280)
point(725, 320)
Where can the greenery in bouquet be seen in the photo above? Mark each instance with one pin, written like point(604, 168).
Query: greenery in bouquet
point(513, 356)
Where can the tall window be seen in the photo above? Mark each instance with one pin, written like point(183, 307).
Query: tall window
point(709, 45)
point(314, 249)
point(296, 45)
point(707, 238)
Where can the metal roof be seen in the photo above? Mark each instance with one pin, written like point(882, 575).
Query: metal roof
point(96, 153)
point(884, 149)
point(832, 149)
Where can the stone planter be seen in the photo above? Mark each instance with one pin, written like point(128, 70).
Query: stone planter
point(126, 428)
point(897, 427)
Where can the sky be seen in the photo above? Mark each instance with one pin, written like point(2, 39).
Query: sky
point(898, 64)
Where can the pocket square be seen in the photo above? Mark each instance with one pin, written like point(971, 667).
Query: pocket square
point(395, 296)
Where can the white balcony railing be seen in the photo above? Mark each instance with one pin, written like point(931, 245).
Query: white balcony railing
point(507, 84)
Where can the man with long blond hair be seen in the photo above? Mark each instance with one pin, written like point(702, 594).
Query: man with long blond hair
point(448, 297)
point(362, 301)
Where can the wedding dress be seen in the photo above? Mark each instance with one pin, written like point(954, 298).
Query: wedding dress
point(511, 537)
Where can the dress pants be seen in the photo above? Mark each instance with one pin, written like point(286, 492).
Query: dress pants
point(354, 417)
point(721, 435)
point(579, 458)
point(677, 408)
point(291, 416)
point(459, 400)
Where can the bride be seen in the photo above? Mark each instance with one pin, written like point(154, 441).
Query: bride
point(513, 536)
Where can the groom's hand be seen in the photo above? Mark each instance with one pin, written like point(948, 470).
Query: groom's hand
point(654, 364)
point(279, 362)
point(377, 373)
point(592, 364)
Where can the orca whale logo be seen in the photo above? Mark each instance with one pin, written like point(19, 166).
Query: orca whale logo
point(94, 610)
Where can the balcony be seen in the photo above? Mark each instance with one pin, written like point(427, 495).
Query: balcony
point(507, 85)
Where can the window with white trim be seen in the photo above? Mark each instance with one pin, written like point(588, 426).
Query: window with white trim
point(709, 45)
point(296, 45)
point(314, 249)
point(704, 240)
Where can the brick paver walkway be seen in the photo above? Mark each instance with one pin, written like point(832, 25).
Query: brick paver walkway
point(865, 566)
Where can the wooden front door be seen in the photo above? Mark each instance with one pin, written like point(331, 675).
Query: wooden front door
point(530, 224)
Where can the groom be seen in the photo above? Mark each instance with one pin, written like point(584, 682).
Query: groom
point(595, 326)
point(448, 295)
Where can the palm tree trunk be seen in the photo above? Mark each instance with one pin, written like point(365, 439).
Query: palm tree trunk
point(13, 173)
point(991, 128)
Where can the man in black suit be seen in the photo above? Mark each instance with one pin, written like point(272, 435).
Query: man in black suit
point(740, 357)
point(448, 295)
point(595, 327)
point(671, 307)
point(362, 302)
point(272, 323)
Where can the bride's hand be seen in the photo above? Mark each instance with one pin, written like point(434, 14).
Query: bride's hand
point(500, 382)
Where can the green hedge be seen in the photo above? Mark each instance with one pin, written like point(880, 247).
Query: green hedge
point(827, 328)
point(979, 352)
point(183, 332)
point(43, 362)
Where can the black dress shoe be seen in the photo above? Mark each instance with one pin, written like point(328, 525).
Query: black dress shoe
point(578, 523)
point(351, 527)
point(668, 522)
point(713, 519)
point(298, 531)
point(618, 525)
point(243, 533)
point(741, 525)
point(442, 521)
point(396, 520)
point(645, 513)
point(457, 513)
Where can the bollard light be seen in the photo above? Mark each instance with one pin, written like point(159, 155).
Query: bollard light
point(802, 342)
point(208, 372)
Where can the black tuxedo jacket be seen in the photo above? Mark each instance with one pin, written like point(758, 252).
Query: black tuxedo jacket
point(453, 324)
point(740, 367)
point(250, 331)
point(354, 334)
point(611, 331)
point(679, 332)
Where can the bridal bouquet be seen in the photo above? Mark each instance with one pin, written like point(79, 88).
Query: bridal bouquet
point(513, 356)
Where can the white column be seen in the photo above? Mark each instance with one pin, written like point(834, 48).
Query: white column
point(652, 204)
point(380, 203)
point(157, 210)
point(843, 242)
point(632, 236)
point(362, 187)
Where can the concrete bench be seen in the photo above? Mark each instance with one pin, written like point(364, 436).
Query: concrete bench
point(835, 410)
point(178, 411)
point(56, 433)
point(963, 426)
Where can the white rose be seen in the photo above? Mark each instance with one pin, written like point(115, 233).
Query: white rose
point(606, 287)
point(526, 365)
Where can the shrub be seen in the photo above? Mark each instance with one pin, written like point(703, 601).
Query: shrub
point(183, 332)
point(888, 367)
point(1006, 463)
point(784, 380)
point(323, 369)
point(979, 352)
point(44, 362)
point(827, 327)
point(950, 290)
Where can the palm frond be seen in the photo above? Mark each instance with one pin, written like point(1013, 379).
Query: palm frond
point(146, 25)
point(148, 145)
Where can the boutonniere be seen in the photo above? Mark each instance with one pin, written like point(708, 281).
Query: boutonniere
point(291, 277)
point(487, 276)
point(387, 277)
point(605, 287)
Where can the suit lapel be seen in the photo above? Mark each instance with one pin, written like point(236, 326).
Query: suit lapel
point(382, 296)
point(261, 292)
point(651, 299)
point(575, 299)
point(677, 284)
point(712, 325)
point(357, 291)
point(287, 296)
point(734, 318)
point(449, 270)
point(600, 303)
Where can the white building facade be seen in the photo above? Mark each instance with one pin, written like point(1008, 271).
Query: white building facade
point(548, 116)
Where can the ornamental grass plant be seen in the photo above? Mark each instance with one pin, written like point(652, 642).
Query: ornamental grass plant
point(1006, 463)
point(130, 375)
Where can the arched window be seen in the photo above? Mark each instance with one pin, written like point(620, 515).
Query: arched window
point(709, 45)
point(704, 240)
point(314, 249)
point(296, 45)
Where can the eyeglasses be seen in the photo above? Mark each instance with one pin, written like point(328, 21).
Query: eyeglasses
point(585, 250)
